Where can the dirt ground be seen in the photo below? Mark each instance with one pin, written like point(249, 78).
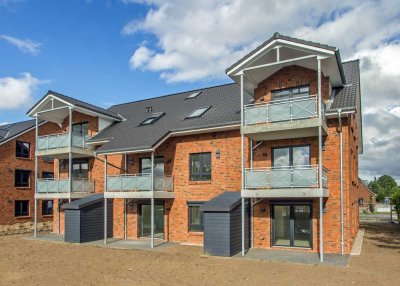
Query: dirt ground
point(29, 262)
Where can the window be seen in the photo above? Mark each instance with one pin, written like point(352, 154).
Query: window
point(21, 208)
point(195, 217)
point(22, 178)
point(289, 93)
point(291, 156)
point(292, 225)
point(360, 202)
point(198, 112)
point(47, 207)
point(80, 168)
point(23, 150)
point(81, 128)
point(145, 165)
point(200, 167)
point(194, 95)
point(47, 175)
point(152, 119)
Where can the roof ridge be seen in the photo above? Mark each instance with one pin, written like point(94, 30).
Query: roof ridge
point(350, 61)
point(172, 94)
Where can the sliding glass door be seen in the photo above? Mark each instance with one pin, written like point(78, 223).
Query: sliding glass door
point(291, 225)
point(145, 220)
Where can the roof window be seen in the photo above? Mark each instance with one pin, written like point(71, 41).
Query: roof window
point(194, 95)
point(152, 119)
point(198, 112)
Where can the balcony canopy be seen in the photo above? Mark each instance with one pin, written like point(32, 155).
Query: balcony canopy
point(280, 51)
point(54, 107)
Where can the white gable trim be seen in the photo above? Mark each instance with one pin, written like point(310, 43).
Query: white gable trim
point(256, 55)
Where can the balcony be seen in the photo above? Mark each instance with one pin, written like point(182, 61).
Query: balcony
point(139, 186)
point(284, 182)
point(282, 119)
point(59, 188)
point(58, 146)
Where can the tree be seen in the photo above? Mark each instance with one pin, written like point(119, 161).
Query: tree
point(396, 202)
point(388, 184)
point(384, 186)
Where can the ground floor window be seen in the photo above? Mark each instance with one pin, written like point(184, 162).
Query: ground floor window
point(145, 220)
point(195, 217)
point(292, 225)
point(21, 208)
point(47, 207)
point(361, 202)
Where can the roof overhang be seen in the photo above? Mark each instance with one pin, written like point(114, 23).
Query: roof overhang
point(54, 109)
point(280, 53)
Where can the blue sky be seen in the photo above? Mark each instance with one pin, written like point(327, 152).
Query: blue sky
point(83, 52)
point(111, 51)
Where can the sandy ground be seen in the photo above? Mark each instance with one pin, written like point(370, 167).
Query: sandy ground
point(28, 262)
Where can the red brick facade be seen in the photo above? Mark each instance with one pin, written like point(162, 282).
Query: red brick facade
point(9, 163)
point(226, 173)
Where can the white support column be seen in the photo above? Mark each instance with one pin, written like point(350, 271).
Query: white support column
point(105, 200)
point(70, 154)
point(242, 157)
point(125, 206)
point(36, 174)
point(152, 199)
point(321, 199)
point(59, 215)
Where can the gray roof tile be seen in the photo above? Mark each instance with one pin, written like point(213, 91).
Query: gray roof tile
point(224, 101)
point(346, 97)
point(13, 129)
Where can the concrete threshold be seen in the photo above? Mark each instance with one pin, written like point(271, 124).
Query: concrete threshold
point(357, 245)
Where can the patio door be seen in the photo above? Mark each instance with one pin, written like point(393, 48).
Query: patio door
point(291, 225)
point(145, 220)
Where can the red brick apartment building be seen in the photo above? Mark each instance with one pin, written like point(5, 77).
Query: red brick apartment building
point(279, 147)
point(17, 172)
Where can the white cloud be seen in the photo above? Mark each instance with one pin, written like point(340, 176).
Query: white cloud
point(25, 46)
point(140, 57)
point(17, 92)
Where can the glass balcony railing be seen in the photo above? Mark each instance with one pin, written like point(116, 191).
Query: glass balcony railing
point(61, 140)
point(284, 177)
point(62, 186)
point(281, 110)
point(139, 182)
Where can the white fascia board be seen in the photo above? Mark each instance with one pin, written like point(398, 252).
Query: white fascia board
point(33, 112)
point(286, 43)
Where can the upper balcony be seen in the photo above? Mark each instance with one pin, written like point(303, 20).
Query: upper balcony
point(59, 145)
point(282, 119)
point(60, 188)
point(139, 186)
point(285, 182)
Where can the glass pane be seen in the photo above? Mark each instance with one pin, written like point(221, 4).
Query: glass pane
point(195, 218)
point(146, 221)
point(159, 166)
point(301, 156)
point(280, 94)
point(282, 225)
point(206, 164)
point(145, 166)
point(302, 226)
point(281, 157)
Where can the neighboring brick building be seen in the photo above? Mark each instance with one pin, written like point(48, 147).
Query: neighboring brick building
point(17, 173)
point(365, 195)
point(277, 136)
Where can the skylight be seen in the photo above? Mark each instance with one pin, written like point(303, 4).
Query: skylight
point(152, 119)
point(198, 112)
point(193, 95)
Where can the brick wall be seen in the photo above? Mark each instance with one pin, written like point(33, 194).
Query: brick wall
point(9, 163)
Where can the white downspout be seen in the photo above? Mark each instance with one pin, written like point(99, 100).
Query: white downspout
point(105, 200)
point(125, 206)
point(242, 161)
point(36, 175)
point(341, 182)
point(321, 199)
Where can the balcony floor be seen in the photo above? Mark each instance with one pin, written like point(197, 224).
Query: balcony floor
point(62, 153)
point(285, 129)
point(74, 195)
point(286, 193)
point(139, 195)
